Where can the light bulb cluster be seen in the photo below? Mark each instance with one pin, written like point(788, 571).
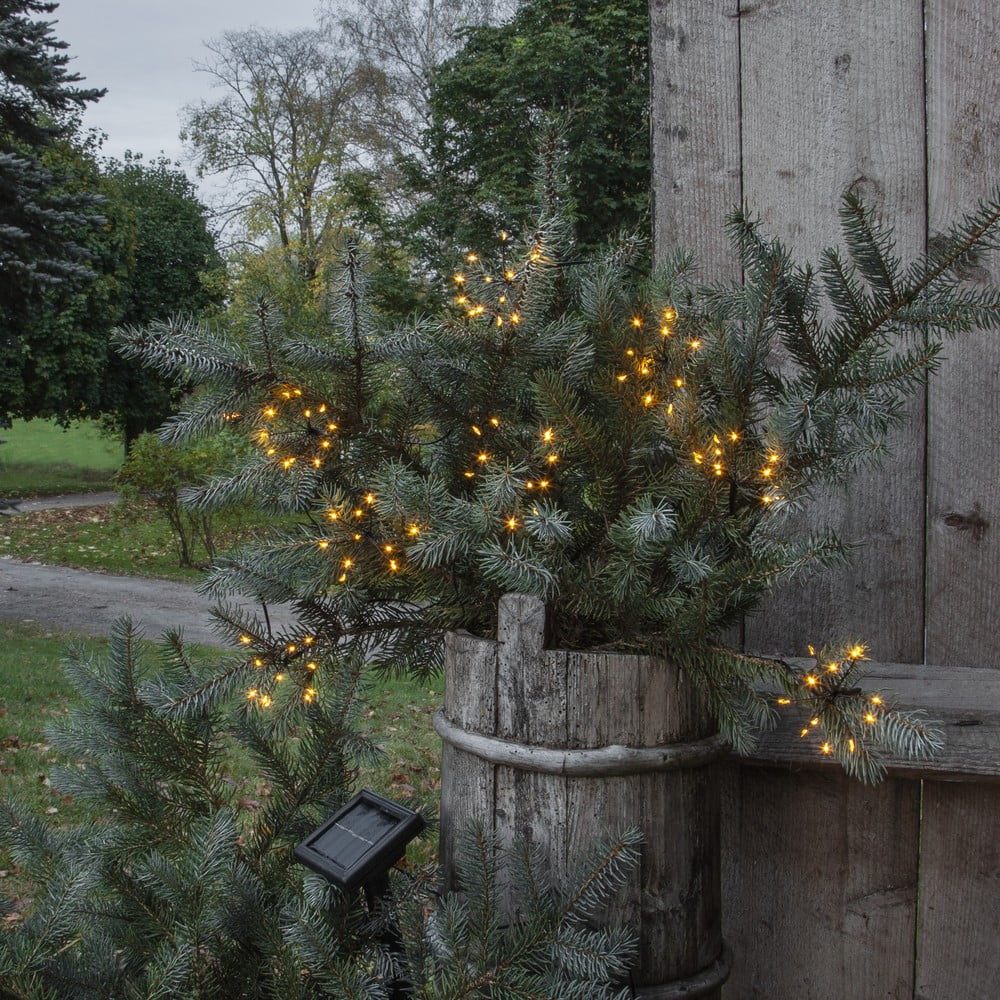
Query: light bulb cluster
point(829, 681)
point(287, 421)
point(547, 457)
point(658, 373)
point(717, 457)
point(498, 296)
point(359, 540)
point(295, 662)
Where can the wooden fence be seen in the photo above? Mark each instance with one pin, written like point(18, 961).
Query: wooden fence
point(832, 889)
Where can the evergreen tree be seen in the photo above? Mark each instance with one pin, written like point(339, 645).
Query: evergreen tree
point(38, 99)
point(183, 887)
point(626, 448)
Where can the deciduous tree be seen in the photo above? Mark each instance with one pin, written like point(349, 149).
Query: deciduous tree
point(403, 42)
point(173, 268)
point(585, 61)
point(151, 258)
point(279, 134)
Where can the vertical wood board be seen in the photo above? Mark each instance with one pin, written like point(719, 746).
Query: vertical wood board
point(819, 884)
point(695, 122)
point(467, 784)
point(963, 544)
point(959, 893)
point(829, 103)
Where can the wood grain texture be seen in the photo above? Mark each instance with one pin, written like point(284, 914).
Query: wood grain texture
point(819, 879)
point(467, 784)
point(963, 150)
point(694, 60)
point(830, 104)
point(959, 893)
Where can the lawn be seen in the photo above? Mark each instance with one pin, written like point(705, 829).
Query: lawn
point(39, 458)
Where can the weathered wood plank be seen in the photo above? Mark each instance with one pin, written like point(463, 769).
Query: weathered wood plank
point(965, 700)
point(531, 709)
point(819, 883)
point(963, 150)
point(959, 893)
point(829, 103)
point(673, 899)
point(467, 785)
point(694, 60)
point(604, 691)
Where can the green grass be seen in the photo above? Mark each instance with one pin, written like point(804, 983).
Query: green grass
point(39, 458)
point(34, 693)
point(134, 543)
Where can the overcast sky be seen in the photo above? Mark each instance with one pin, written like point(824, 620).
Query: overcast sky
point(143, 51)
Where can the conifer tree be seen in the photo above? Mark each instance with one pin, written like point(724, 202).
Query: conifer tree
point(182, 887)
point(625, 447)
point(38, 99)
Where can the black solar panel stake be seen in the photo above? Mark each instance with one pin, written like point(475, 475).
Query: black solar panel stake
point(356, 847)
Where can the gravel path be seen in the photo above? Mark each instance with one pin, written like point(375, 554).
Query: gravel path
point(64, 501)
point(80, 601)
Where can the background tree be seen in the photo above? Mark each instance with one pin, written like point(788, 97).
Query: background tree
point(586, 61)
point(56, 366)
point(402, 44)
point(280, 135)
point(153, 257)
point(43, 222)
point(174, 268)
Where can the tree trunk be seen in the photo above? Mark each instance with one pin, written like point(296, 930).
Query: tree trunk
point(562, 748)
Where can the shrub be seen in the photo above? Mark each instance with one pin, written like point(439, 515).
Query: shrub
point(163, 471)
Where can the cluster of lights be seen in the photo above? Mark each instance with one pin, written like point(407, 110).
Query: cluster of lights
point(714, 458)
point(769, 473)
point(349, 517)
point(547, 438)
point(507, 303)
point(316, 423)
point(281, 661)
point(643, 364)
point(824, 683)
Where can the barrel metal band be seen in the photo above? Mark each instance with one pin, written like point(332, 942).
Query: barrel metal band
point(701, 984)
point(598, 762)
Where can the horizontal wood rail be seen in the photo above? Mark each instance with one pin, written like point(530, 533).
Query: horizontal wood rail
point(964, 700)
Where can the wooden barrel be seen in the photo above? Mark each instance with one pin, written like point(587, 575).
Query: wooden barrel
point(563, 748)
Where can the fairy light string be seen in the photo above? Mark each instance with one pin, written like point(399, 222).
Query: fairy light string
point(656, 368)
